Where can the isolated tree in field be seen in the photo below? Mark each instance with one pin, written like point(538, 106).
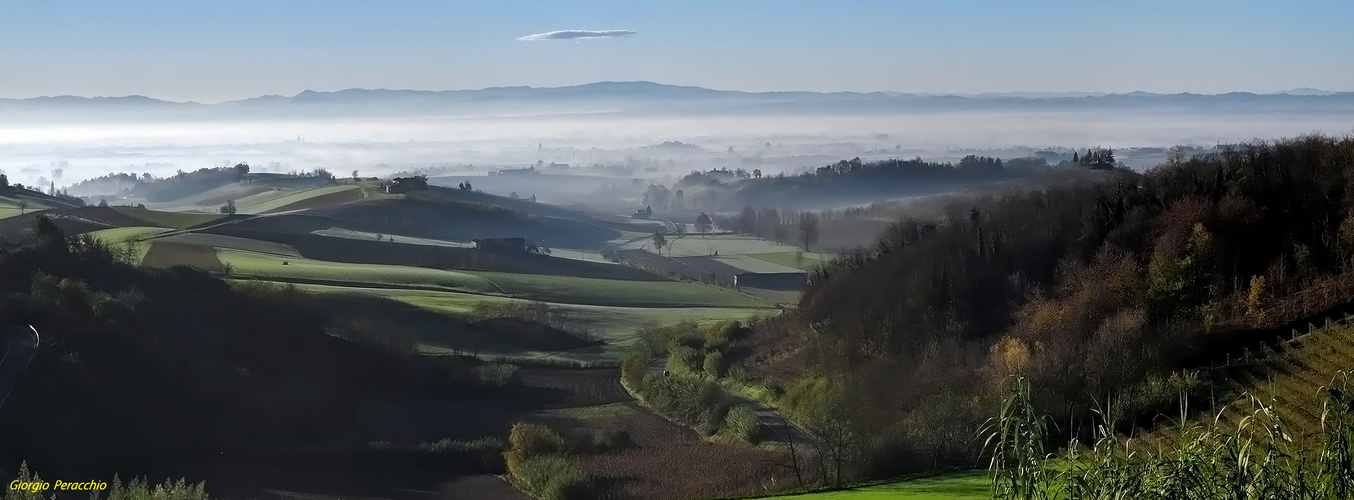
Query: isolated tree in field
point(23, 207)
point(659, 242)
point(703, 223)
point(799, 260)
point(756, 173)
point(808, 229)
point(228, 208)
point(355, 177)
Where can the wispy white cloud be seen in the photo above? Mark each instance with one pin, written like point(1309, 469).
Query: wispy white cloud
point(575, 35)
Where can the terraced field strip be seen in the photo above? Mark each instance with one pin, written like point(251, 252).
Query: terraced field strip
point(626, 293)
point(338, 232)
point(960, 486)
point(178, 220)
point(617, 325)
point(131, 237)
point(6, 212)
point(165, 254)
point(700, 246)
point(233, 243)
point(286, 199)
point(787, 259)
point(301, 270)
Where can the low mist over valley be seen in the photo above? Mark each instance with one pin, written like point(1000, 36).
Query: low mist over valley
point(648, 131)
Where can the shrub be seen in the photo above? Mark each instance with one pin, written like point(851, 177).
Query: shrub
point(719, 334)
point(714, 364)
point(497, 374)
point(460, 446)
point(685, 359)
point(552, 477)
point(742, 423)
point(527, 440)
point(633, 370)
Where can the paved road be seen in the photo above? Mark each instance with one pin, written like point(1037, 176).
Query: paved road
point(23, 343)
point(766, 417)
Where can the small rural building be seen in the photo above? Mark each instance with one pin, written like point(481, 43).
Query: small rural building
point(501, 244)
point(771, 281)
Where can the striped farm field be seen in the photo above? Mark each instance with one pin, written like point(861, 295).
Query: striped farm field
point(272, 267)
point(1288, 378)
point(165, 254)
point(178, 220)
point(130, 233)
point(787, 259)
point(624, 293)
point(294, 200)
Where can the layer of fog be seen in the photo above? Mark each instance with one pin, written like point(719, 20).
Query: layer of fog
point(67, 152)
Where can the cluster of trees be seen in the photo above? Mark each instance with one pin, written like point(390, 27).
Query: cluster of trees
point(768, 223)
point(855, 179)
point(658, 194)
point(162, 189)
point(716, 177)
point(1083, 290)
point(173, 361)
point(1101, 158)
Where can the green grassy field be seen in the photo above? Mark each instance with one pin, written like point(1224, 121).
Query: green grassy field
point(129, 233)
point(132, 237)
point(338, 232)
point(6, 211)
point(271, 267)
point(963, 486)
point(787, 259)
point(727, 245)
point(178, 220)
point(617, 326)
point(605, 292)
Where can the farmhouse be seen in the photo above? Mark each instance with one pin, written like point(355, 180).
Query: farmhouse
point(771, 281)
point(501, 244)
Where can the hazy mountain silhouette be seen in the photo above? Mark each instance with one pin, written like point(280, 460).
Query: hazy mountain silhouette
point(655, 97)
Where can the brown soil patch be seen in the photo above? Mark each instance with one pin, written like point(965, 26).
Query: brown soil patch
point(531, 335)
point(577, 387)
point(164, 254)
point(109, 216)
point(684, 471)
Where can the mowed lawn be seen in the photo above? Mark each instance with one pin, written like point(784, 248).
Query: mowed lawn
point(282, 268)
point(962, 486)
point(608, 292)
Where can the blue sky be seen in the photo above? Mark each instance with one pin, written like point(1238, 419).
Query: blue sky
point(220, 50)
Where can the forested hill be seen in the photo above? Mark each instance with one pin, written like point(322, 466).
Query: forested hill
point(854, 181)
point(1087, 291)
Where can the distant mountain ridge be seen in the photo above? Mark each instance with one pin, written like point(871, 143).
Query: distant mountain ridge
point(644, 96)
